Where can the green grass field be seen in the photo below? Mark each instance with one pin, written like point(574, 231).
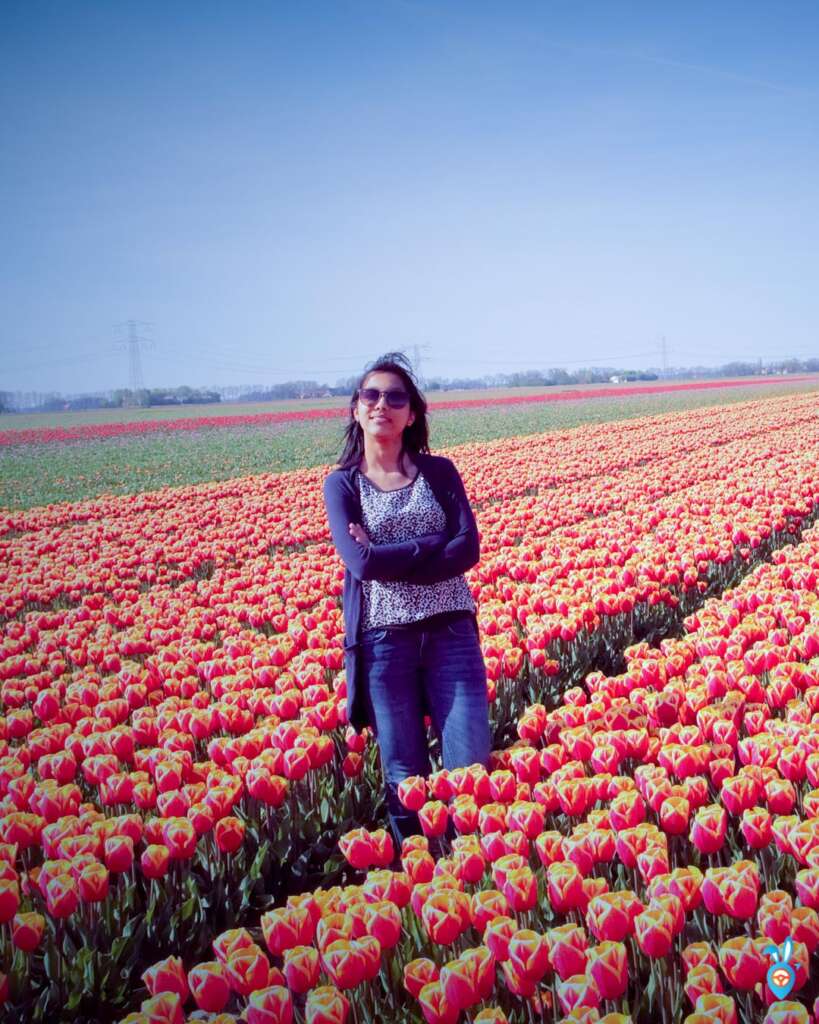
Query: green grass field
point(41, 474)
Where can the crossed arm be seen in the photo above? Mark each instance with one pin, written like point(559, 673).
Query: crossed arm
point(423, 560)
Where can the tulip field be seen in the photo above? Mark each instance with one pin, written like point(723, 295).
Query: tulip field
point(70, 461)
point(189, 830)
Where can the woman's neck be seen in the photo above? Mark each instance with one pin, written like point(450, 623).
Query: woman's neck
point(383, 458)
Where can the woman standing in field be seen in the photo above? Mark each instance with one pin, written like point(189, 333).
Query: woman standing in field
point(402, 524)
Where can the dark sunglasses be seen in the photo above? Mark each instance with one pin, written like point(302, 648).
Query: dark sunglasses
point(396, 398)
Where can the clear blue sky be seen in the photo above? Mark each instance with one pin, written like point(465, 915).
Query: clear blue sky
point(286, 189)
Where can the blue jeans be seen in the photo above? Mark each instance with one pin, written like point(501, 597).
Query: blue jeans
point(433, 668)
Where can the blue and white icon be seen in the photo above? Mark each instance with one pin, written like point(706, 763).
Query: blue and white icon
point(781, 976)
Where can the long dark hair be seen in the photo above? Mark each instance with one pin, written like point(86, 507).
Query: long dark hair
point(415, 438)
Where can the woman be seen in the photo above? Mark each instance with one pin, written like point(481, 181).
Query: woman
point(402, 524)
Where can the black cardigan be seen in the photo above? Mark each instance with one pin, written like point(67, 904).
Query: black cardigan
point(423, 560)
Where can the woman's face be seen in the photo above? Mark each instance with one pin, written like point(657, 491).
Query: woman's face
point(380, 421)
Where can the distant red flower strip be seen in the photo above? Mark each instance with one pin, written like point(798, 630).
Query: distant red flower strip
point(102, 431)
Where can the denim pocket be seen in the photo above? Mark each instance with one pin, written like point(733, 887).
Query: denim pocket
point(374, 636)
point(464, 627)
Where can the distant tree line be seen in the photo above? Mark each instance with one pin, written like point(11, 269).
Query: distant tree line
point(519, 379)
point(18, 401)
point(55, 401)
point(290, 389)
point(183, 395)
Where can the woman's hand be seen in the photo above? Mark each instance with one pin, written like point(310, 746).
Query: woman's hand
point(359, 534)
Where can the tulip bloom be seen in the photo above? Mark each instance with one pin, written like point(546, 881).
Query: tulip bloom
point(62, 896)
point(608, 918)
point(370, 949)
point(497, 935)
point(435, 1006)
point(357, 848)
point(326, 1005)
point(229, 833)
point(708, 829)
point(565, 886)
point(577, 992)
point(271, 1005)
point(384, 923)
point(301, 968)
point(739, 896)
point(247, 969)
point(780, 796)
point(485, 906)
point(469, 865)
point(742, 963)
point(807, 887)
point(787, 1012)
point(418, 973)
point(608, 967)
point(179, 836)
point(697, 953)
point(9, 899)
point(738, 793)
point(716, 1008)
point(549, 848)
point(517, 983)
point(805, 922)
point(167, 976)
point(464, 813)
point(491, 1015)
point(119, 853)
point(155, 861)
point(458, 984)
point(92, 883)
point(529, 954)
point(412, 792)
point(433, 818)
point(445, 916)
point(166, 1008)
point(395, 886)
point(654, 932)
point(344, 963)
point(568, 950)
point(674, 815)
point(27, 931)
point(492, 818)
point(686, 885)
point(520, 889)
point(702, 980)
point(627, 810)
point(209, 986)
point(774, 918)
point(527, 817)
point(383, 849)
point(756, 827)
point(419, 865)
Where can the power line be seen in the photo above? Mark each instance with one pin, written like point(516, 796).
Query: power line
point(534, 364)
point(133, 344)
point(416, 361)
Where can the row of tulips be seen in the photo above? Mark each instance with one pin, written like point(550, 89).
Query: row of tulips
point(164, 732)
point(113, 545)
point(634, 856)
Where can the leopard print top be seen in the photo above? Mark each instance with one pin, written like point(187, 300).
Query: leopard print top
point(393, 516)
